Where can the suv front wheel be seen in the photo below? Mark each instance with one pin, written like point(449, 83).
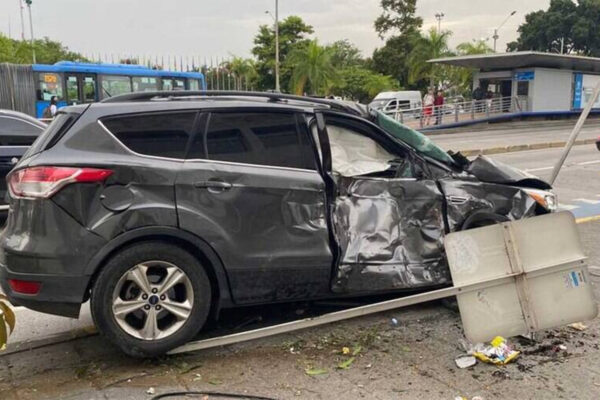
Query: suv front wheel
point(150, 298)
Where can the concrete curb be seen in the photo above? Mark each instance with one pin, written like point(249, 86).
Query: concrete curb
point(522, 147)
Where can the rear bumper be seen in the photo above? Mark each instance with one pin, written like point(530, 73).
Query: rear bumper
point(59, 295)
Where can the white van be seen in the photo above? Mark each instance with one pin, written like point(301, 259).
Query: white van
point(392, 102)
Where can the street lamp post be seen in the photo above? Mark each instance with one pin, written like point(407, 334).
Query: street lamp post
point(22, 20)
point(439, 17)
point(498, 28)
point(276, 19)
point(28, 2)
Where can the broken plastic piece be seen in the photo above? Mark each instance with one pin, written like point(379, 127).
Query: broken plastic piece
point(465, 361)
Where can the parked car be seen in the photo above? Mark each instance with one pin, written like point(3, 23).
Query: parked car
point(163, 210)
point(17, 132)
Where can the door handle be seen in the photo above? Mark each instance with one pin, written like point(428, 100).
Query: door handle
point(214, 186)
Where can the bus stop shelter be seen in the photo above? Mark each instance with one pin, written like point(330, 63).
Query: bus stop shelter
point(538, 82)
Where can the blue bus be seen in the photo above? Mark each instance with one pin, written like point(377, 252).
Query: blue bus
point(76, 83)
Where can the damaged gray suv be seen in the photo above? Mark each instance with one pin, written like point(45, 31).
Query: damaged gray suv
point(162, 209)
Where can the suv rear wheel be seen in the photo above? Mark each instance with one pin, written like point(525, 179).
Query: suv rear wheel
point(150, 298)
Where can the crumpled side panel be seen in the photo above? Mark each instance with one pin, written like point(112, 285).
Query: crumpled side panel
point(390, 234)
point(508, 201)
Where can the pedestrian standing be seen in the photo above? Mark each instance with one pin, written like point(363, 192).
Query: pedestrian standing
point(438, 104)
point(428, 100)
point(50, 111)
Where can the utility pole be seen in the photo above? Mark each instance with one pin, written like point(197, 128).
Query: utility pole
point(276, 21)
point(22, 20)
point(439, 17)
point(498, 28)
point(28, 2)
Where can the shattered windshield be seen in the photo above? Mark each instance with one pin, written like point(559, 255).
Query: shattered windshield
point(413, 138)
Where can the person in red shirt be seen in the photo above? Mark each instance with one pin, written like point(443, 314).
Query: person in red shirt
point(438, 104)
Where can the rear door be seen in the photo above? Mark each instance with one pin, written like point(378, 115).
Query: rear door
point(388, 210)
point(250, 188)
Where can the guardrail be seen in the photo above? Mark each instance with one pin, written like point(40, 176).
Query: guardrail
point(423, 117)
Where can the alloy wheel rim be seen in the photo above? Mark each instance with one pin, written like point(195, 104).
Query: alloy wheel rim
point(152, 300)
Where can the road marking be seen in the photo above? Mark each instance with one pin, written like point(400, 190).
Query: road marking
point(567, 207)
point(587, 201)
point(566, 166)
point(588, 219)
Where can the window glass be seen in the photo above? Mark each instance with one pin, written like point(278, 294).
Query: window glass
point(258, 138)
point(179, 84)
point(49, 85)
point(162, 135)
point(89, 89)
point(167, 84)
point(113, 85)
point(144, 84)
point(72, 90)
point(194, 84)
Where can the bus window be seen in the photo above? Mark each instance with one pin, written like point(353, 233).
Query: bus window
point(179, 84)
point(89, 89)
point(194, 84)
point(167, 84)
point(72, 90)
point(144, 84)
point(113, 85)
point(49, 85)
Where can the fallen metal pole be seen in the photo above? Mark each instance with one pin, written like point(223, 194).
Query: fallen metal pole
point(575, 133)
point(340, 315)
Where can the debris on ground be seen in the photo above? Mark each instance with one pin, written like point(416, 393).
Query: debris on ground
point(150, 390)
point(498, 352)
point(315, 371)
point(578, 326)
point(465, 361)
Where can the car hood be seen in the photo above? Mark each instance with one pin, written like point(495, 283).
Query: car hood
point(488, 170)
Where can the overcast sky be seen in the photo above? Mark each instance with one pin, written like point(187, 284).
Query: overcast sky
point(220, 28)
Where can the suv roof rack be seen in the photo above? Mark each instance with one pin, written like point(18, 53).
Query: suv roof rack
point(271, 96)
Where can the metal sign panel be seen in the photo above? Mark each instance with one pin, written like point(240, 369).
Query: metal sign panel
point(549, 283)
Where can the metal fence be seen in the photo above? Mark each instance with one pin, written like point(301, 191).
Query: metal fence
point(454, 112)
point(17, 91)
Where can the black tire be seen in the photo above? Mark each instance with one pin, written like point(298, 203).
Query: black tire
point(118, 265)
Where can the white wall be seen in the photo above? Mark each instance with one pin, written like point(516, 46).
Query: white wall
point(551, 90)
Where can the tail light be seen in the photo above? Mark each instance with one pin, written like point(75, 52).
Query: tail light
point(43, 182)
point(24, 287)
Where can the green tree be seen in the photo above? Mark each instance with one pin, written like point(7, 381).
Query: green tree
point(293, 32)
point(361, 84)
point(312, 70)
point(398, 20)
point(345, 54)
point(47, 51)
point(565, 26)
point(398, 16)
point(461, 79)
point(243, 71)
point(433, 45)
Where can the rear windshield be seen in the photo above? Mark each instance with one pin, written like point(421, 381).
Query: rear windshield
point(57, 127)
point(413, 138)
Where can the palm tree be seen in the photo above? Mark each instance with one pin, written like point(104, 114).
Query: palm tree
point(243, 71)
point(474, 47)
point(433, 45)
point(311, 68)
